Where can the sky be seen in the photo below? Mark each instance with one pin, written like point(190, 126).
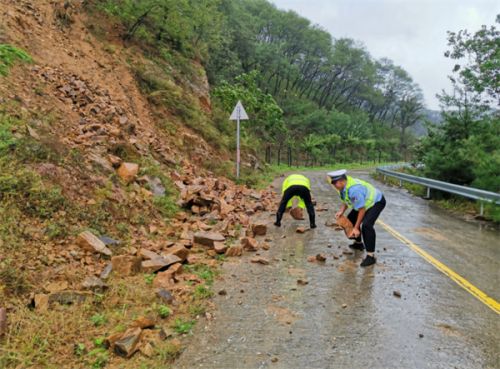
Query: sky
point(410, 32)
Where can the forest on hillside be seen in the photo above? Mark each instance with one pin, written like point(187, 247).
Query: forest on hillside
point(312, 98)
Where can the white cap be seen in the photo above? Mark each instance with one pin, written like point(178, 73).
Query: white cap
point(337, 174)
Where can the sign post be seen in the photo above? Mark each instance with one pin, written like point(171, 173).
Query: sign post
point(238, 114)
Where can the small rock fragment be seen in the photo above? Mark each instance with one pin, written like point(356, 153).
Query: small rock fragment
point(397, 294)
point(234, 251)
point(259, 260)
point(90, 242)
point(301, 230)
point(320, 257)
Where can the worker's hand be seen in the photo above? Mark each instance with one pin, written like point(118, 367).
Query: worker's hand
point(338, 214)
point(355, 233)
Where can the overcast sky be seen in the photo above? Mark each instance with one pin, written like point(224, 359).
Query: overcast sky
point(410, 32)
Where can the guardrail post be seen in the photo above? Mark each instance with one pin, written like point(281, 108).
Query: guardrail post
point(428, 192)
point(481, 209)
point(400, 183)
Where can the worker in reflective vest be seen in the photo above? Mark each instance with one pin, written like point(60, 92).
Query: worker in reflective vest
point(367, 203)
point(296, 186)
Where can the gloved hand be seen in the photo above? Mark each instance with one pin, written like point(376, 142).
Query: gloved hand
point(277, 224)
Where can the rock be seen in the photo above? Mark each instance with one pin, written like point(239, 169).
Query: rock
point(297, 213)
point(165, 295)
point(115, 161)
point(159, 263)
point(345, 224)
point(164, 279)
point(274, 360)
point(143, 322)
point(41, 302)
point(3, 321)
point(266, 246)
point(89, 242)
point(93, 283)
point(126, 265)
point(397, 294)
point(69, 297)
point(259, 229)
point(420, 335)
point(220, 247)
point(234, 251)
point(106, 271)
point(249, 244)
point(259, 260)
point(208, 238)
point(128, 171)
point(108, 241)
point(148, 255)
point(320, 257)
point(302, 282)
point(311, 259)
point(348, 252)
point(301, 230)
point(56, 286)
point(126, 346)
point(222, 292)
point(147, 349)
point(179, 251)
point(344, 306)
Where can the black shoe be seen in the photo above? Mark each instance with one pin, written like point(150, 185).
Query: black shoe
point(357, 246)
point(313, 226)
point(369, 260)
point(277, 224)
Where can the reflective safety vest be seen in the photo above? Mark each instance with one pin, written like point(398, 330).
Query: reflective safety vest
point(370, 192)
point(296, 180)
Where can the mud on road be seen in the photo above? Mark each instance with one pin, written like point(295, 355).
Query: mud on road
point(400, 313)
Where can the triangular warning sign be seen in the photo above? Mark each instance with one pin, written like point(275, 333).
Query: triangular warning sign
point(239, 112)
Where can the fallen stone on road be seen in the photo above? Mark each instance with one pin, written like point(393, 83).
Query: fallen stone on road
point(301, 230)
point(260, 260)
point(249, 244)
point(320, 257)
point(397, 294)
point(259, 229)
point(297, 213)
point(220, 247)
point(234, 251)
point(208, 238)
point(346, 225)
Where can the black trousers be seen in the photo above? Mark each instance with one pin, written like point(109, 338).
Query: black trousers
point(302, 192)
point(367, 230)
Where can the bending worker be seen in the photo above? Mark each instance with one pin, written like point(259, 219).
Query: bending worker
point(367, 203)
point(299, 187)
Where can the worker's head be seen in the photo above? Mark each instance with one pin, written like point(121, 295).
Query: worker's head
point(338, 179)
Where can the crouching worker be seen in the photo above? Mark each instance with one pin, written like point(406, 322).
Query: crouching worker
point(296, 186)
point(367, 203)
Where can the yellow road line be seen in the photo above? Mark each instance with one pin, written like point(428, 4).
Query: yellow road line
point(461, 281)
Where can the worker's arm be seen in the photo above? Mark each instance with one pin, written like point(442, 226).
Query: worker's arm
point(342, 210)
point(356, 230)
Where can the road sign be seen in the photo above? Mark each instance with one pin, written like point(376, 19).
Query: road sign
point(238, 114)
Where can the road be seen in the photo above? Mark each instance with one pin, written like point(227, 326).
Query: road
point(348, 316)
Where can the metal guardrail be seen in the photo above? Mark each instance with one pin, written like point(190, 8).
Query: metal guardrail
point(469, 192)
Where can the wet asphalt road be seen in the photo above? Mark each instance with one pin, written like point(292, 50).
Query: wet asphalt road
point(347, 316)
